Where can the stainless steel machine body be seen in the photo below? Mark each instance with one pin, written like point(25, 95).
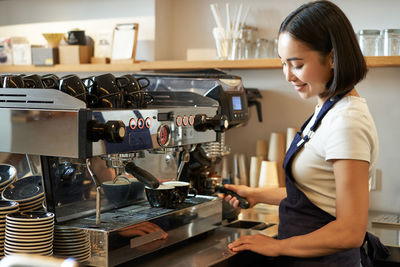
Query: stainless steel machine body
point(65, 134)
point(41, 122)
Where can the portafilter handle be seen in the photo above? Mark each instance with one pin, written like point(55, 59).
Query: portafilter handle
point(218, 123)
point(243, 203)
point(142, 175)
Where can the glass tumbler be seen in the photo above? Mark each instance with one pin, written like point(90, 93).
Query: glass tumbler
point(369, 41)
point(391, 45)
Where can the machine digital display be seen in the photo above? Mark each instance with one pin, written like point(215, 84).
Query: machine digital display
point(236, 103)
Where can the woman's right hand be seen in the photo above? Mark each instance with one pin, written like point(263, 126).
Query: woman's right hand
point(241, 190)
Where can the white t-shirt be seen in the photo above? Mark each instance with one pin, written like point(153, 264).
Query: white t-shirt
point(346, 132)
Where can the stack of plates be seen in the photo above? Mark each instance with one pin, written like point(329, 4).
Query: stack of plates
point(8, 174)
point(71, 242)
point(6, 207)
point(28, 192)
point(29, 232)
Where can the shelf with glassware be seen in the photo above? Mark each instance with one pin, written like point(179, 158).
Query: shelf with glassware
point(267, 63)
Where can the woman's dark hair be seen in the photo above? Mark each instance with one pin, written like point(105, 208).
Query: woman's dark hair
point(324, 27)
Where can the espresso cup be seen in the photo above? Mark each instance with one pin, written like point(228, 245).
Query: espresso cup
point(163, 196)
point(50, 81)
point(134, 96)
point(136, 190)
point(182, 189)
point(104, 87)
point(11, 81)
point(33, 81)
point(73, 85)
point(117, 192)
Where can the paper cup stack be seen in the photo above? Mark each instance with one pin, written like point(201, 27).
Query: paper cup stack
point(266, 166)
point(6, 207)
point(71, 242)
point(29, 233)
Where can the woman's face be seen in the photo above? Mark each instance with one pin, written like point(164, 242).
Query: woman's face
point(303, 67)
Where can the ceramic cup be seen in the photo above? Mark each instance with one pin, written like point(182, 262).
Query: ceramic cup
point(182, 189)
point(137, 189)
point(117, 191)
point(163, 196)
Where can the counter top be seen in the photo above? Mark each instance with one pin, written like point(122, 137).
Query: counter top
point(211, 249)
point(261, 212)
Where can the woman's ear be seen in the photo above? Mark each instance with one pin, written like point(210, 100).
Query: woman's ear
point(331, 59)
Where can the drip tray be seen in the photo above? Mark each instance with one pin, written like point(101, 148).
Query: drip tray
point(253, 225)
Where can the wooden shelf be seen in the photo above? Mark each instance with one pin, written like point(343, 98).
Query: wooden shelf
point(268, 63)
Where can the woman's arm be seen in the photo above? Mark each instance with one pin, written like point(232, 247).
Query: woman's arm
point(347, 231)
point(265, 195)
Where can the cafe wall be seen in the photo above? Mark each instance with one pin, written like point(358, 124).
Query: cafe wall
point(191, 27)
point(98, 18)
point(168, 28)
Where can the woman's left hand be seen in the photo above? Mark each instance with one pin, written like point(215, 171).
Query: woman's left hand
point(259, 243)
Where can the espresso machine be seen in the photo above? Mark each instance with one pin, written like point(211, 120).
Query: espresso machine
point(61, 138)
point(203, 168)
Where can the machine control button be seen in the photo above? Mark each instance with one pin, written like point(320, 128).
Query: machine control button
point(132, 124)
point(148, 122)
point(140, 123)
point(163, 135)
point(179, 121)
point(191, 120)
point(185, 120)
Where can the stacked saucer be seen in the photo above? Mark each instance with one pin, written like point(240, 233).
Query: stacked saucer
point(28, 192)
point(8, 174)
point(71, 242)
point(30, 233)
point(6, 207)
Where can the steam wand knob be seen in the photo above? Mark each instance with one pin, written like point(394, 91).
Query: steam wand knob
point(111, 131)
point(218, 123)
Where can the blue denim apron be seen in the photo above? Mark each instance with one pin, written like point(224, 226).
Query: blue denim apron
point(299, 216)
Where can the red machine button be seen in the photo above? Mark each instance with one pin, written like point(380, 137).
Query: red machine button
point(191, 120)
point(148, 122)
point(179, 121)
point(132, 124)
point(185, 120)
point(141, 123)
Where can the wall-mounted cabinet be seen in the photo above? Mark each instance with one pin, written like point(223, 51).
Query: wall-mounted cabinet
point(268, 63)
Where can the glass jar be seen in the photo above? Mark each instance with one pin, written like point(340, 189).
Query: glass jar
point(370, 42)
point(391, 42)
point(249, 50)
point(262, 47)
point(273, 48)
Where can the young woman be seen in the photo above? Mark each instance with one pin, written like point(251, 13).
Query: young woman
point(323, 210)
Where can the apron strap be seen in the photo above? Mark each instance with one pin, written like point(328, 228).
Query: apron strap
point(374, 248)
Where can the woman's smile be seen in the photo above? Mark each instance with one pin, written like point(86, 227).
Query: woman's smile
point(299, 87)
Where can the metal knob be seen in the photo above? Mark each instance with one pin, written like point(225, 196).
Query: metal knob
point(111, 131)
point(218, 123)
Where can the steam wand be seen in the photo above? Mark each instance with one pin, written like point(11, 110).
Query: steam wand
point(185, 158)
point(98, 188)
